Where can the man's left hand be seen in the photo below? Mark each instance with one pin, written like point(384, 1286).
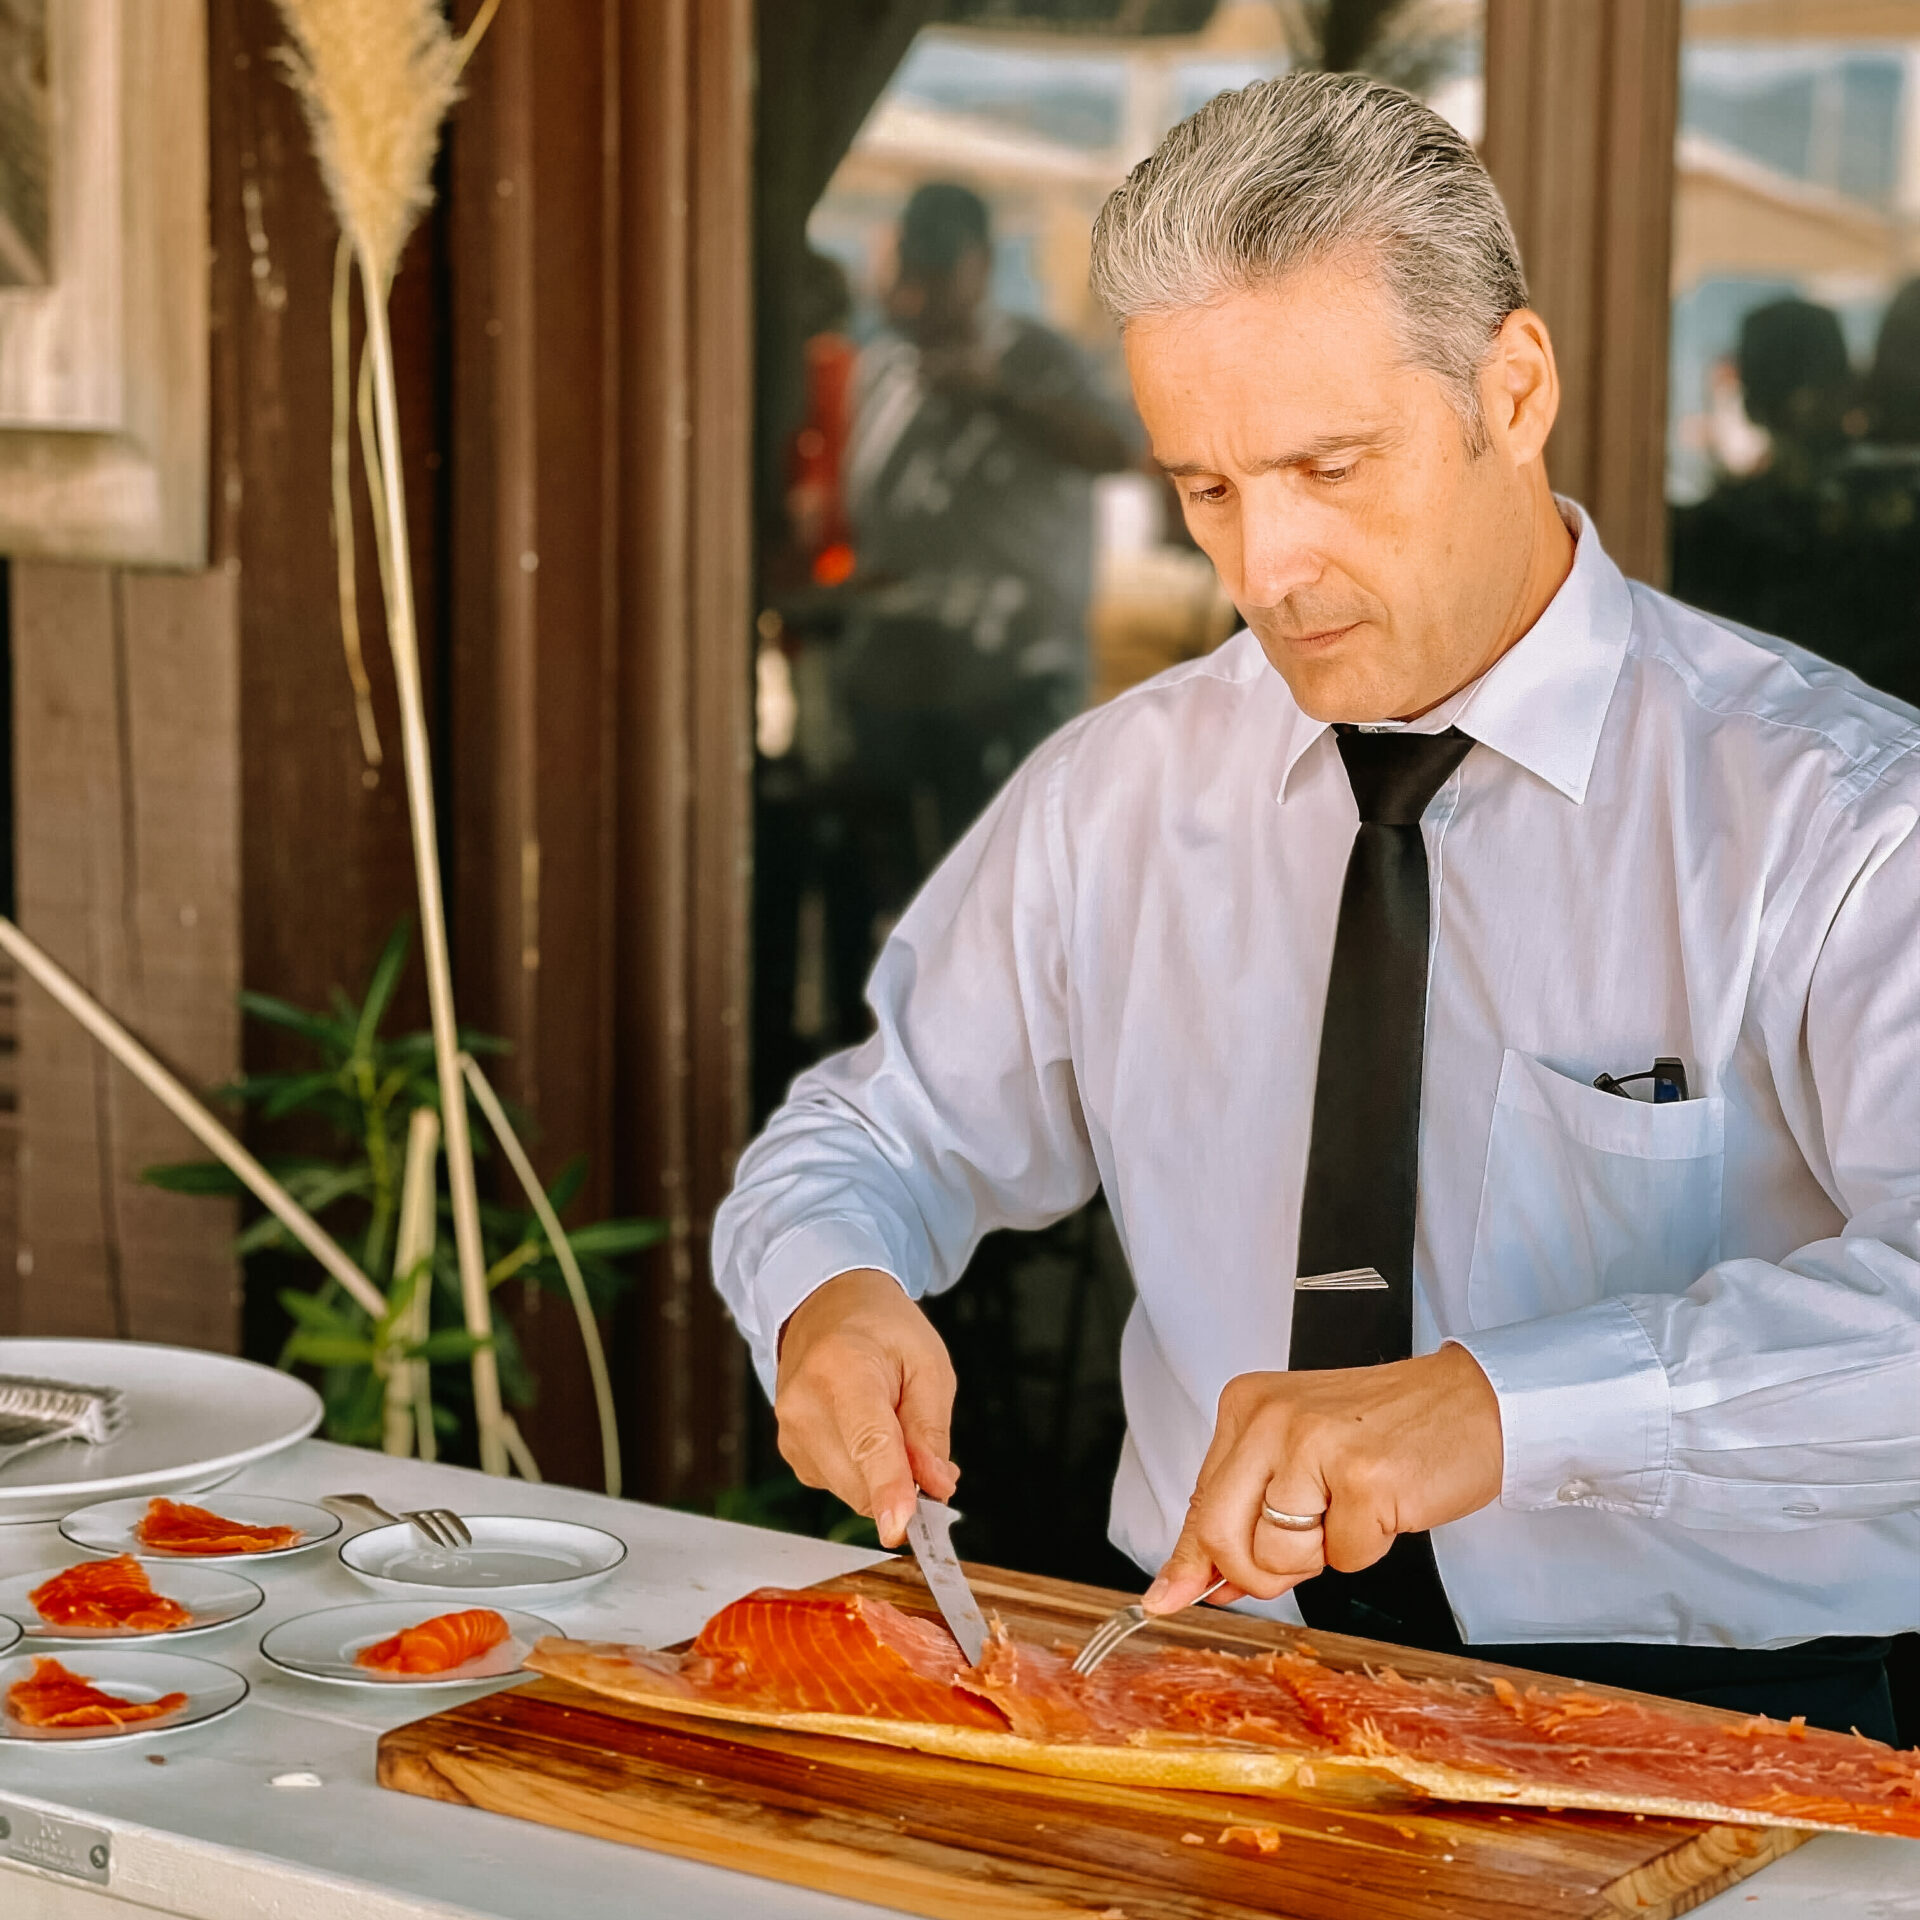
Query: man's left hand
point(1375, 1451)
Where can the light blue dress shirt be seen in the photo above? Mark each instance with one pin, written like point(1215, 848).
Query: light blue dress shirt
point(1702, 1319)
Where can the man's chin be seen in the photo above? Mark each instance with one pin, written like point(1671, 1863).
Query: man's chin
point(1332, 685)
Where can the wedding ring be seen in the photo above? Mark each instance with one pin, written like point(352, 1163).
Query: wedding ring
point(1290, 1522)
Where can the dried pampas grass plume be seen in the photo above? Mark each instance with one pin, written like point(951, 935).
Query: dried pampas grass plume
point(377, 78)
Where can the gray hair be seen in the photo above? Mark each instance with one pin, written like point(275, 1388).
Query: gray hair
point(1287, 173)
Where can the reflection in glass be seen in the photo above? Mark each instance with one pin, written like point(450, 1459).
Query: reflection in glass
point(970, 545)
point(1794, 449)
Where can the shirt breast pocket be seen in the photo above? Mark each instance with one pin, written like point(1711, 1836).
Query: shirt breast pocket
point(1587, 1194)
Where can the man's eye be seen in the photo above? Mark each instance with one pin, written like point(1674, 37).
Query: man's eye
point(1332, 475)
point(1207, 496)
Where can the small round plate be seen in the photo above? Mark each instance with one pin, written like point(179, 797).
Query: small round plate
point(321, 1646)
point(513, 1561)
point(108, 1527)
point(10, 1631)
point(214, 1597)
point(211, 1691)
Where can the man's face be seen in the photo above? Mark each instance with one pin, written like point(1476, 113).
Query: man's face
point(1378, 561)
point(942, 309)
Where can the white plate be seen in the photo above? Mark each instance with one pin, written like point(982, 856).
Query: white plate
point(9, 1634)
point(513, 1560)
point(108, 1527)
point(215, 1599)
point(321, 1646)
point(211, 1690)
point(193, 1420)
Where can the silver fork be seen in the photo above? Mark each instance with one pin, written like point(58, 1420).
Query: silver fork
point(1122, 1624)
point(438, 1526)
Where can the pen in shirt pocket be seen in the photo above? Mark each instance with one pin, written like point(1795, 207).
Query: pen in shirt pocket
point(1669, 1077)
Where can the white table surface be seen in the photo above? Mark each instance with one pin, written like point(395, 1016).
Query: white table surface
point(208, 1836)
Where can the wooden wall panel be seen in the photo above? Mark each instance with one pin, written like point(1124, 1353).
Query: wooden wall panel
point(127, 774)
point(1581, 108)
point(599, 264)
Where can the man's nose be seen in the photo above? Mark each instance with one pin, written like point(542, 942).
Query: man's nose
point(1278, 555)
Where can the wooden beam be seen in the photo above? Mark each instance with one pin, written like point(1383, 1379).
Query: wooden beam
point(599, 242)
point(126, 767)
point(1581, 111)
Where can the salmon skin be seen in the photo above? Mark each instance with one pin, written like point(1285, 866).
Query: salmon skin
point(170, 1526)
point(855, 1662)
point(50, 1696)
point(438, 1645)
point(107, 1596)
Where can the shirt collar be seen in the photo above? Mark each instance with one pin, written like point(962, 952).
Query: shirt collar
point(1542, 703)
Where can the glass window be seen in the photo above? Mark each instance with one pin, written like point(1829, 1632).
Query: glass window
point(1793, 453)
point(968, 546)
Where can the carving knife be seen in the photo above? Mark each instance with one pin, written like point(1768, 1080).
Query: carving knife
point(929, 1534)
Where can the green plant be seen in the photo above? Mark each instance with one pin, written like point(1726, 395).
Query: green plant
point(363, 1090)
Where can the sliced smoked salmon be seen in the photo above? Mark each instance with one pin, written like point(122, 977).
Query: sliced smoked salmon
point(1181, 1717)
point(438, 1645)
point(170, 1526)
point(50, 1696)
point(107, 1596)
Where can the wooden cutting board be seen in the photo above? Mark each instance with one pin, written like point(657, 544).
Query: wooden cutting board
point(957, 1841)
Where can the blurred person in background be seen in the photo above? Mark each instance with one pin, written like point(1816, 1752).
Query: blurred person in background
point(976, 438)
point(1822, 543)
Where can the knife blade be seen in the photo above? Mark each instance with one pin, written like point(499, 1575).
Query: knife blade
point(929, 1534)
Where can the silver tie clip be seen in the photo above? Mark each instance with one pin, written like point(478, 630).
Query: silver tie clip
point(1347, 1280)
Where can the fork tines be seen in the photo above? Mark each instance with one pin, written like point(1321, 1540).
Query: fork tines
point(1116, 1627)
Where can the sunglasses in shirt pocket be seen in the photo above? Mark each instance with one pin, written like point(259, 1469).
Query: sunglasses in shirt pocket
point(1587, 1194)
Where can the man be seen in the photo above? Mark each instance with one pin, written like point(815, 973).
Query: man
point(976, 438)
point(1464, 832)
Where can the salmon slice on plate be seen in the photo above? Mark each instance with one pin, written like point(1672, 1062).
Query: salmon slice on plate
point(51, 1696)
point(438, 1645)
point(107, 1595)
point(862, 1669)
point(172, 1526)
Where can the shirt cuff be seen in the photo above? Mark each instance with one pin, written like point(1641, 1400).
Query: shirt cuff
point(802, 1263)
point(1585, 1410)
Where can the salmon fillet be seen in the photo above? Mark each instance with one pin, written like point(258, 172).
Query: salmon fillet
point(1272, 1722)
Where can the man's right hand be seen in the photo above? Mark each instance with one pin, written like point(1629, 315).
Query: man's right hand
point(864, 1398)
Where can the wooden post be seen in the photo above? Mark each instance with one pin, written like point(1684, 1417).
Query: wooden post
point(601, 613)
point(1582, 100)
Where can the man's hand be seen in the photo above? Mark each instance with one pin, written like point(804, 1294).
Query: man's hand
point(1378, 1451)
point(865, 1398)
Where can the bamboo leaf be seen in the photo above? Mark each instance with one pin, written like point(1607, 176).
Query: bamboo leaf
point(263, 1233)
point(282, 1013)
point(611, 1237)
point(297, 1090)
point(386, 976)
point(314, 1314)
point(192, 1176)
point(329, 1350)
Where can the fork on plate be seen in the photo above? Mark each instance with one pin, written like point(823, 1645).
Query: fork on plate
point(438, 1526)
point(1122, 1624)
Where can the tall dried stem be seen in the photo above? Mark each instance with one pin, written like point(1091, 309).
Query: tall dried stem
point(377, 78)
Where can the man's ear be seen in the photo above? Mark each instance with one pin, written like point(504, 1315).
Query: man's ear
point(1520, 387)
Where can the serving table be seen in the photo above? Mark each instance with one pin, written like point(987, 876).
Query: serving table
point(274, 1810)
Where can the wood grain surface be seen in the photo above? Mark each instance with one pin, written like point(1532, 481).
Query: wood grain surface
point(950, 1839)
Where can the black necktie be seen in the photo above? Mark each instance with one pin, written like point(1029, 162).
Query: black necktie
point(1353, 1301)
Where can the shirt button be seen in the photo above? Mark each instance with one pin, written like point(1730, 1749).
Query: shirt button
point(1575, 1491)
